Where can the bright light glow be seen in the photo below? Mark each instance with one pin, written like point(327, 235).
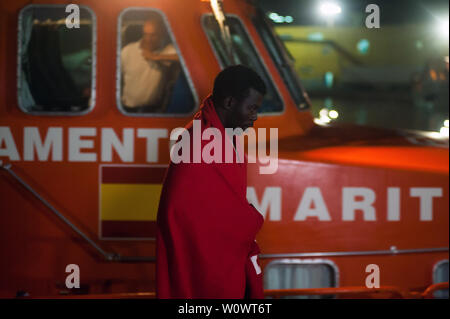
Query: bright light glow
point(317, 121)
point(322, 120)
point(273, 15)
point(329, 9)
point(329, 77)
point(446, 123)
point(443, 27)
point(363, 46)
point(323, 113)
point(435, 135)
point(323, 117)
point(444, 131)
point(333, 114)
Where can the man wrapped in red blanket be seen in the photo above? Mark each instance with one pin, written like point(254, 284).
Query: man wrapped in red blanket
point(205, 245)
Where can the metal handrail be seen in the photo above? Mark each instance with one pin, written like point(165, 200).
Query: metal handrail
point(392, 251)
point(107, 255)
point(428, 293)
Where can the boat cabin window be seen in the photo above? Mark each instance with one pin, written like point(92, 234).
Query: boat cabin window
point(56, 72)
point(440, 274)
point(243, 52)
point(282, 59)
point(152, 77)
point(299, 274)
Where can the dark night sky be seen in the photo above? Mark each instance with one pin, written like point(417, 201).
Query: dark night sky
point(392, 11)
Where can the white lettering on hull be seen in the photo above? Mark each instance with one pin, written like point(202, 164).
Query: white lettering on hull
point(355, 200)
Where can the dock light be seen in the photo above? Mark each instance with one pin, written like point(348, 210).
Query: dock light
point(273, 16)
point(326, 116)
point(322, 121)
point(329, 9)
point(323, 117)
point(323, 113)
point(333, 114)
point(443, 27)
point(444, 129)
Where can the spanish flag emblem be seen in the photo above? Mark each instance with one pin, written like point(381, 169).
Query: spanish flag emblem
point(129, 199)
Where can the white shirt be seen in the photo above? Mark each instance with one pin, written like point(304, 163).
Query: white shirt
point(142, 79)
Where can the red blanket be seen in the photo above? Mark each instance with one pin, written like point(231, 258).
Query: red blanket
point(205, 245)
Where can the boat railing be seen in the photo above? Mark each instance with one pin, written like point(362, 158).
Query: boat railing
point(354, 292)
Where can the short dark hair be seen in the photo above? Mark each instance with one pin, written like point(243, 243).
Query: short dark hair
point(154, 17)
point(236, 81)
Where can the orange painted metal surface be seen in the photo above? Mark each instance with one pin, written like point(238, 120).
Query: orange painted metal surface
point(36, 246)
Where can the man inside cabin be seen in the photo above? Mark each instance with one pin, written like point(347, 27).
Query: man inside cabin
point(148, 66)
point(205, 244)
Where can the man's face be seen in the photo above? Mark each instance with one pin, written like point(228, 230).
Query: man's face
point(151, 35)
point(245, 112)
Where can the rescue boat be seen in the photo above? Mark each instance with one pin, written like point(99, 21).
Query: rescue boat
point(351, 212)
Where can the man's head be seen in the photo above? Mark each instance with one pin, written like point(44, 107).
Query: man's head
point(237, 95)
point(152, 34)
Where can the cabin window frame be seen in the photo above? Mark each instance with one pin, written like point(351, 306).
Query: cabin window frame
point(279, 53)
point(183, 66)
point(436, 266)
point(296, 261)
point(93, 98)
point(258, 56)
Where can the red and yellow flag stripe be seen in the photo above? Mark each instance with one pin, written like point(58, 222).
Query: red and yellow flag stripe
point(129, 199)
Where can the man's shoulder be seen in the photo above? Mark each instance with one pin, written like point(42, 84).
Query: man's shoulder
point(130, 47)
